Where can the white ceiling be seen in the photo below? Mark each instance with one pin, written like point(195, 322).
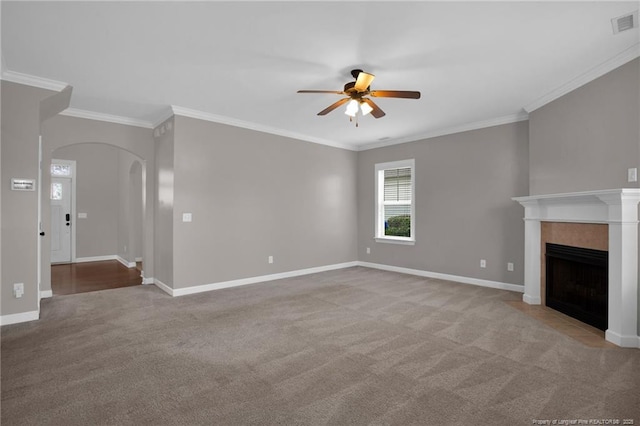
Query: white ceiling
point(476, 63)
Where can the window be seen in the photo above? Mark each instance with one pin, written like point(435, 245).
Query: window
point(56, 191)
point(60, 169)
point(395, 196)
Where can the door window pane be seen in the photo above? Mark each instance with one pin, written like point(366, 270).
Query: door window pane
point(56, 191)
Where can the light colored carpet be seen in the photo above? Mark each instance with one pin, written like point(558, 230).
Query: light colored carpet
point(347, 347)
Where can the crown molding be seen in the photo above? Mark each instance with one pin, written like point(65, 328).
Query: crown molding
point(31, 80)
point(507, 119)
point(161, 118)
point(91, 115)
point(617, 61)
point(191, 113)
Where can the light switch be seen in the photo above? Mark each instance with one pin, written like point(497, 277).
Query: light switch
point(187, 217)
point(632, 174)
point(18, 290)
point(82, 215)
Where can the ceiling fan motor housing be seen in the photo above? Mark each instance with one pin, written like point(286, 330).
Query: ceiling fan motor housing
point(349, 88)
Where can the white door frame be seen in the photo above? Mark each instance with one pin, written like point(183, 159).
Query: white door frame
point(40, 230)
point(74, 215)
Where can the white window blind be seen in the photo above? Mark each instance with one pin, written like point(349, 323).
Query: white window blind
point(395, 209)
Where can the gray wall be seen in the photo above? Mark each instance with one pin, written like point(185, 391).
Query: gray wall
point(20, 131)
point(97, 195)
point(587, 139)
point(129, 198)
point(464, 211)
point(61, 131)
point(254, 195)
point(163, 232)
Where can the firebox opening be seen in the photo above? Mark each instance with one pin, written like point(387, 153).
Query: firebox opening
point(577, 283)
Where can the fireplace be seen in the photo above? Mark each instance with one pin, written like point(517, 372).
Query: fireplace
point(618, 209)
point(577, 283)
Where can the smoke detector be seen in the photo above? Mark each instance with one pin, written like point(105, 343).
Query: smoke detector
point(625, 22)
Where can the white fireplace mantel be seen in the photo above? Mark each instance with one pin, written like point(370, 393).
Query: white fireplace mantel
point(619, 209)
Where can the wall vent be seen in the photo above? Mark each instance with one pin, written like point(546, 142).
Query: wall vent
point(625, 22)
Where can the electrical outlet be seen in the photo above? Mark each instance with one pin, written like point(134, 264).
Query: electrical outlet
point(632, 174)
point(187, 217)
point(270, 259)
point(18, 290)
point(368, 250)
point(510, 267)
point(483, 263)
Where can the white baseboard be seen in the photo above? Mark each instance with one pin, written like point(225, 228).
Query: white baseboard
point(146, 280)
point(622, 341)
point(46, 294)
point(437, 275)
point(95, 258)
point(251, 280)
point(162, 286)
point(530, 300)
point(21, 317)
point(125, 262)
point(138, 259)
point(271, 277)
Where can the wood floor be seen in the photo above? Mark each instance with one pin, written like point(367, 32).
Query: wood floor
point(75, 278)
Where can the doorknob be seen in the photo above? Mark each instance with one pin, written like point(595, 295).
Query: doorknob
point(68, 217)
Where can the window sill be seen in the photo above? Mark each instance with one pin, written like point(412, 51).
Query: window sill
point(390, 240)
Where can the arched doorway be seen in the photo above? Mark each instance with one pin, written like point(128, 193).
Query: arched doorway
point(107, 219)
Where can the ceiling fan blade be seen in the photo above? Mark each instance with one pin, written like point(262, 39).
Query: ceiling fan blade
point(333, 106)
point(376, 112)
point(405, 94)
point(363, 81)
point(322, 91)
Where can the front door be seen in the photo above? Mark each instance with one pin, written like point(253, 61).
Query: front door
point(60, 220)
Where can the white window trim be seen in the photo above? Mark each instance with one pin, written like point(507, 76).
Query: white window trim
point(379, 195)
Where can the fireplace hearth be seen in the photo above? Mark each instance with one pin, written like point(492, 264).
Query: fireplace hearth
point(577, 283)
point(616, 208)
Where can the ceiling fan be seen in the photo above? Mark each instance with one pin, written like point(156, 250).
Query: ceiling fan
point(357, 92)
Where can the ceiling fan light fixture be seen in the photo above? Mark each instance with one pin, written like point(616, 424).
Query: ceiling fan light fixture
point(355, 92)
point(352, 108)
point(365, 108)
